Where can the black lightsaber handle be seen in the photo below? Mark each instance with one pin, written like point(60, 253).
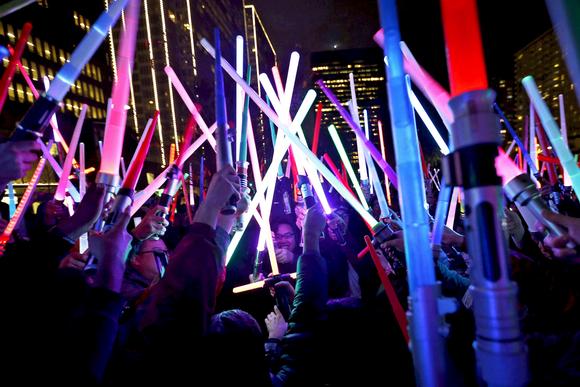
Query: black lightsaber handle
point(36, 119)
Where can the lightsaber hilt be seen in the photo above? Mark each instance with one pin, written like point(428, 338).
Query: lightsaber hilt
point(111, 183)
point(242, 171)
point(36, 119)
point(171, 187)
point(306, 190)
point(499, 346)
point(286, 200)
point(522, 190)
point(258, 264)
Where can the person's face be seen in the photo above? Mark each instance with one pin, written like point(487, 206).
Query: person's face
point(285, 238)
point(149, 259)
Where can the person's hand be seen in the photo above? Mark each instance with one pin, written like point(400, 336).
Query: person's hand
point(111, 249)
point(17, 158)
point(74, 260)
point(397, 242)
point(384, 262)
point(55, 212)
point(244, 203)
point(314, 221)
point(224, 184)
point(284, 256)
point(86, 215)
point(276, 324)
point(153, 225)
point(561, 246)
point(300, 212)
point(253, 279)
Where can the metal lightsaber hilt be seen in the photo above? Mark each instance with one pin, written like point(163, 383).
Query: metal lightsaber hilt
point(258, 264)
point(522, 190)
point(171, 187)
point(306, 190)
point(111, 183)
point(242, 171)
point(36, 119)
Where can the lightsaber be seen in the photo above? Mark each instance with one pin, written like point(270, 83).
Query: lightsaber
point(277, 82)
point(499, 347)
point(273, 136)
point(436, 94)
point(16, 54)
point(265, 237)
point(11, 200)
point(384, 154)
point(144, 135)
point(553, 132)
point(224, 136)
point(376, 183)
point(139, 158)
point(53, 122)
point(257, 285)
point(359, 133)
point(398, 310)
point(13, 6)
point(552, 176)
point(443, 148)
point(117, 117)
point(280, 150)
point(362, 167)
point(516, 138)
point(286, 99)
point(567, 181)
point(317, 122)
point(533, 146)
point(565, 15)
point(142, 196)
point(189, 104)
point(82, 175)
point(426, 341)
point(242, 153)
point(22, 204)
point(201, 178)
point(239, 92)
point(58, 170)
point(285, 114)
point(441, 214)
point(60, 193)
point(344, 158)
point(38, 116)
point(191, 196)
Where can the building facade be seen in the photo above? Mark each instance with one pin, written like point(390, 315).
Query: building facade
point(542, 58)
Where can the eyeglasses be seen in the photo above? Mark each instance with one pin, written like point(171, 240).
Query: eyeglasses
point(289, 235)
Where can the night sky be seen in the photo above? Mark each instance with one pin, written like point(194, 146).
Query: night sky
point(318, 25)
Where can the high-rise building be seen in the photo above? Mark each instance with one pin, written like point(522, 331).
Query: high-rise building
point(542, 58)
point(169, 35)
point(56, 30)
point(262, 57)
point(368, 69)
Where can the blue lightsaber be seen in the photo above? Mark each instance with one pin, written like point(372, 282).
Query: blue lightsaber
point(37, 118)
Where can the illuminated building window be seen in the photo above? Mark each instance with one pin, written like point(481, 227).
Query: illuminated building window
point(84, 86)
point(99, 75)
point(42, 71)
point(38, 45)
point(61, 56)
point(10, 33)
point(50, 74)
point(46, 50)
point(76, 17)
point(29, 96)
point(20, 92)
point(1, 28)
point(25, 64)
point(34, 71)
point(68, 104)
point(5, 62)
point(11, 93)
point(91, 92)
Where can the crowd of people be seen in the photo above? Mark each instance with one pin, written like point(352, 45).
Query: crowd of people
point(159, 306)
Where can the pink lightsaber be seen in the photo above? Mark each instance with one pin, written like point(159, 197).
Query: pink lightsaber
point(82, 175)
point(72, 191)
point(22, 205)
point(115, 129)
point(142, 196)
point(144, 135)
point(189, 104)
point(62, 182)
point(132, 177)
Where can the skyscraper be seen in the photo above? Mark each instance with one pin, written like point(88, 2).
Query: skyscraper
point(368, 69)
point(542, 58)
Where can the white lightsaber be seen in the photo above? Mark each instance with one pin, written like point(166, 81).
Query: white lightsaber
point(359, 146)
point(239, 92)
